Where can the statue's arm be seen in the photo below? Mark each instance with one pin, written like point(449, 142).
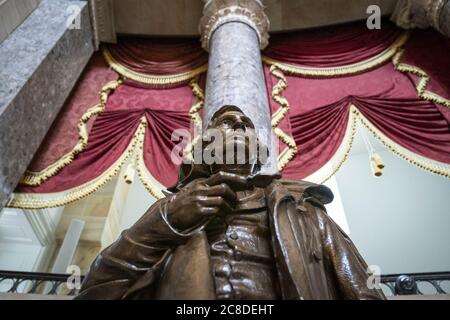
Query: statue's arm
point(350, 269)
point(136, 259)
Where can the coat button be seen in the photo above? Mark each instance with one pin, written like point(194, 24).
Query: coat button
point(234, 236)
point(226, 289)
point(223, 270)
point(227, 270)
point(238, 255)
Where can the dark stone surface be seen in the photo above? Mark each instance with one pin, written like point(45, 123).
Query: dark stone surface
point(39, 65)
point(444, 20)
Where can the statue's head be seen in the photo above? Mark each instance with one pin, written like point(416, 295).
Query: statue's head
point(238, 150)
point(230, 144)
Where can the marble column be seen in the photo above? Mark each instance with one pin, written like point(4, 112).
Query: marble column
point(410, 14)
point(40, 63)
point(234, 32)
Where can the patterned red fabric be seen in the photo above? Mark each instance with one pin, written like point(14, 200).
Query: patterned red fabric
point(430, 51)
point(319, 108)
point(63, 135)
point(165, 110)
point(331, 46)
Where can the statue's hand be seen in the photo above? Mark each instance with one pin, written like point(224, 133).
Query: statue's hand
point(203, 199)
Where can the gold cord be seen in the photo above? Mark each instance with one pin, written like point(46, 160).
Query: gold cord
point(291, 151)
point(31, 178)
point(424, 79)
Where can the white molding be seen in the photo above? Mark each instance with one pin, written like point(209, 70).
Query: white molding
point(44, 223)
point(102, 12)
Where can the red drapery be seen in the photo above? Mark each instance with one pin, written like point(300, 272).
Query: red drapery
point(159, 56)
point(165, 110)
point(331, 46)
point(319, 113)
point(63, 135)
point(386, 96)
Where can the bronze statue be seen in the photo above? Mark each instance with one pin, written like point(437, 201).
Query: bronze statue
point(220, 235)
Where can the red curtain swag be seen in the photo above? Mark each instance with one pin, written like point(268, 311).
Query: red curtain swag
point(403, 100)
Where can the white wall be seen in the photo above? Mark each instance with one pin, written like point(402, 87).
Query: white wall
point(335, 209)
point(401, 220)
point(20, 248)
point(137, 203)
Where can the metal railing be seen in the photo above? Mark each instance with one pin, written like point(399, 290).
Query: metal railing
point(409, 284)
point(56, 284)
point(36, 283)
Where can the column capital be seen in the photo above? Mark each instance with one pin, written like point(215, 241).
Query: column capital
point(219, 12)
point(410, 14)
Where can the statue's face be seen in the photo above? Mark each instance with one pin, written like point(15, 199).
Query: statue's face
point(238, 134)
point(233, 123)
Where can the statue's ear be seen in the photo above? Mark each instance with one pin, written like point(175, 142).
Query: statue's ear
point(189, 172)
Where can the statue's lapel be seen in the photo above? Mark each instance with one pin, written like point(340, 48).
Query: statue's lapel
point(188, 272)
point(288, 241)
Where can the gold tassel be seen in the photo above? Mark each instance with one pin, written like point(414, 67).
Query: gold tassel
point(375, 170)
point(129, 174)
point(377, 164)
point(378, 161)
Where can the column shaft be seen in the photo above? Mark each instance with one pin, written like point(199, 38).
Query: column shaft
point(235, 71)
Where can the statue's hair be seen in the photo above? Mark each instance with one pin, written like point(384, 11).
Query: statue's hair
point(222, 110)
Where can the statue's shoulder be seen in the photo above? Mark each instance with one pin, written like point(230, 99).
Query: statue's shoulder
point(318, 191)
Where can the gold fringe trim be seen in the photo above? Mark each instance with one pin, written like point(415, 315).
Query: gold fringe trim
point(151, 79)
point(341, 155)
point(198, 105)
point(150, 183)
point(59, 199)
point(291, 151)
point(153, 186)
point(341, 70)
point(194, 114)
point(288, 153)
point(331, 167)
point(422, 84)
point(433, 166)
point(31, 178)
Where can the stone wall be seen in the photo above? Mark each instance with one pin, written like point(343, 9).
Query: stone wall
point(40, 63)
